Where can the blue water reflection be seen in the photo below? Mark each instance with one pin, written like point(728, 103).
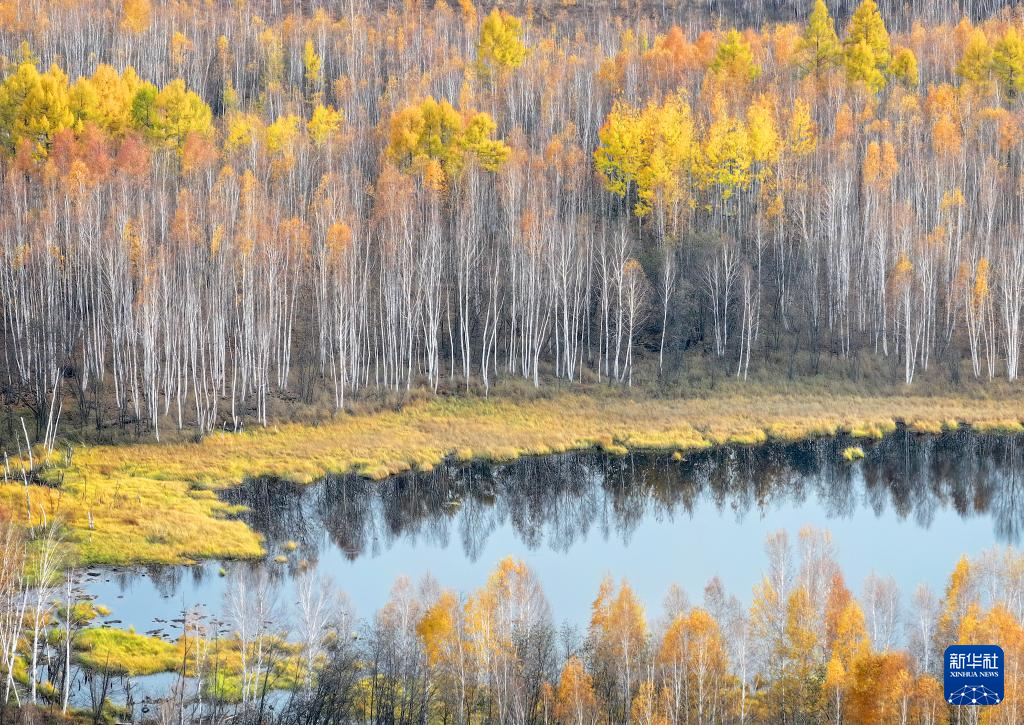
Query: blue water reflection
point(908, 510)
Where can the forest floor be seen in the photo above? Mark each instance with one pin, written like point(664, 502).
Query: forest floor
point(138, 503)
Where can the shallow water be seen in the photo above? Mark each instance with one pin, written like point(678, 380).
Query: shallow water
point(908, 510)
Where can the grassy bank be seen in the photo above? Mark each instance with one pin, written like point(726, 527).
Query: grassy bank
point(155, 503)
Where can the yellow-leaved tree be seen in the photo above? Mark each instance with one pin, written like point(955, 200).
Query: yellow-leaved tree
point(617, 638)
point(135, 15)
point(695, 669)
point(34, 107)
point(794, 691)
point(168, 116)
point(726, 157)
point(866, 26)
point(881, 687)
point(904, 67)
point(575, 700)
point(867, 44)
point(324, 124)
point(312, 75)
point(975, 65)
point(849, 643)
point(648, 151)
point(105, 98)
point(281, 134)
point(1008, 62)
point(734, 59)
point(441, 629)
point(500, 47)
point(802, 135)
point(243, 129)
point(432, 137)
point(819, 49)
point(763, 134)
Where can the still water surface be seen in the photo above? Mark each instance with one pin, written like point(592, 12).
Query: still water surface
point(908, 510)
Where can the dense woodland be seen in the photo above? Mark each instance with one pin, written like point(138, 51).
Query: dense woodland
point(806, 650)
point(208, 205)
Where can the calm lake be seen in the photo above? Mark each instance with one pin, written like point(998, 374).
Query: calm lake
point(908, 510)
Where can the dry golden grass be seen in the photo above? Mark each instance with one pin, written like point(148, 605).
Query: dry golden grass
point(154, 502)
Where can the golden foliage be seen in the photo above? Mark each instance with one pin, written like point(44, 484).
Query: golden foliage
point(433, 131)
point(135, 15)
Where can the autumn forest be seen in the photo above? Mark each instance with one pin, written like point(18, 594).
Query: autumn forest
point(277, 241)
point(205, 211)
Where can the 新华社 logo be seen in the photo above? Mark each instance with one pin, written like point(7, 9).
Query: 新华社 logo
point(974, 674)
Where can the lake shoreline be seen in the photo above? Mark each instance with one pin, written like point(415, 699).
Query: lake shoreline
point(156, 503)
point(594, 513)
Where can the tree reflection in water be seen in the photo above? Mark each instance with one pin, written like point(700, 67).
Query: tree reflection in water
point(555, 501)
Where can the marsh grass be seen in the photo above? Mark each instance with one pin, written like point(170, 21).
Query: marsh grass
point(107, 649)
point(853, 453)
point(119, 651)
point(156, 503)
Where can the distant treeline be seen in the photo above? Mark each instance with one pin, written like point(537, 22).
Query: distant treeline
point(205, 209)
